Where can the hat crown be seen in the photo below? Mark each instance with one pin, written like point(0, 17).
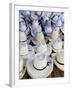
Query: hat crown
point(40, 61)
point(22, 26)
point(35, 24)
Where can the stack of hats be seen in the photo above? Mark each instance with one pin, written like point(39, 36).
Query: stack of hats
point(41, 33)
point(55, 33)
point(38, 37)
point(23, 50)
point(59, 59)
point(40, 67)
point(22, 67)
point(56, 44)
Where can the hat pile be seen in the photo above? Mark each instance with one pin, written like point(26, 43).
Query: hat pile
point(41, 33)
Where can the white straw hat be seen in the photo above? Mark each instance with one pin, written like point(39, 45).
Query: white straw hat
point(60, 56)
point(40, 61)
point(49, 49)
point(59, 60)
point(41, 47)
point(22, 67)
point(56, 44)
point(30, 51)
point(39, 73)
point(23, 48)
point(22, 36)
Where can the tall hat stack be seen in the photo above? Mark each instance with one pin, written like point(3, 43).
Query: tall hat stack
point(41, 34)
point(38, 37)
point(23, 50)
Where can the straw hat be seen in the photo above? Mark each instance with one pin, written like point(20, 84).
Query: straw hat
point(22, 26)
point(60, 56)
point(35, 28)
point(59, 59)
point(48, 30)
point(22, 67)
point(56, 44)
point(31, 51)
point(41, 47)
point(23, 48)
point(39, 36)
point(55, 33)
point(33, 17)
point(40, 68)
point(40, 61)
point(22, 36)
point(49, 49)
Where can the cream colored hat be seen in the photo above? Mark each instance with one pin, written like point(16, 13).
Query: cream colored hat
point(39, 72)
point(22, 36)
point(40, 61)
point(59, 60)
point(41, 47)
point(31, 51)
point(56, 44)
point(55, 33)
point(33, 17)
point(60, 56)
point(23, 48)
point(39, 36)
point(49, 49)
point(22, 67)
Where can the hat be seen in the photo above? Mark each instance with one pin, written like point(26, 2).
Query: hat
point(31, 51)
point(33, 17)
point(35, 28)
point(41, 47)
point(60, 56)
point(48, 30)
point(59, 23)
point(21, 74)
point(58, 59)
point(55, 33)
point(39, 36)
point(25, 13)
point(39, 71)
point(22, 36)
point(23, 48)
point(40, 61)
point(21, 18)
point(38, 13)
point(55, 18)
point(56, 44)
point(49, 49)
point(22, 67)
point(22, 26)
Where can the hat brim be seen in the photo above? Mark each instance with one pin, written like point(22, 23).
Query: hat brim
point(34, 73)
point(56, 50)
point(60, 66)
point(22, 73)
point(34, 41)
point(49, 51)
point(62, 31)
